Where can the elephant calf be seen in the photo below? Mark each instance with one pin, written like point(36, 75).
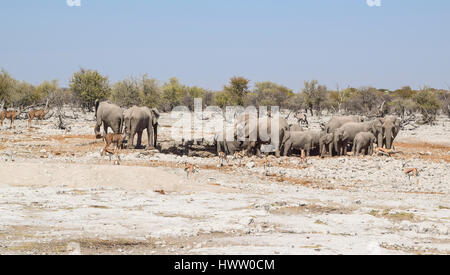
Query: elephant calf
point(364, 141)
point(324, 142)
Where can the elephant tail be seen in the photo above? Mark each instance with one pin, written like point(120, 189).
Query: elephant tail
point(121, 124)
point(97, 103)
point(354, 146)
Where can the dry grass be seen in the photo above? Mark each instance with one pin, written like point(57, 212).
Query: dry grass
point(311, 209)
point(394, 215)
point(414, 250)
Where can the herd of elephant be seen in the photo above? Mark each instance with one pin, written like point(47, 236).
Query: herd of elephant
point(130, 122)
point(341, 133)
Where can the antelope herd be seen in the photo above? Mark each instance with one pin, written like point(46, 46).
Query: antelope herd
point(39, 114)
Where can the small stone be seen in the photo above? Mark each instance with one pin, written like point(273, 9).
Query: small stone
point(250, 165)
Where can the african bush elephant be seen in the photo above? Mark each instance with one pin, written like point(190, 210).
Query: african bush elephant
point(364, 141)
point(228, 147)
point(299, 141)
point(138, 119)
point(295, 128)
point(316, 135)
point(337, 121)
point(110, 115)
point(324, 141)
point(391, 126)
point(265, 135)
point(344, 135)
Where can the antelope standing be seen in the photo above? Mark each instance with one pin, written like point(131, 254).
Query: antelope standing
point(39, 114)
point(117, 140)
point(190, 169)
point(410, 171)
point(238, 156)
point(11, 115)
point(222, 158)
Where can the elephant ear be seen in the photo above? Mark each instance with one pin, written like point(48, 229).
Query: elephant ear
point(156, 115)
point(378, 123)
point(155, 112)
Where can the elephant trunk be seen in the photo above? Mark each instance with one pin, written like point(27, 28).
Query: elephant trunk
point(389, 139)
point(321, 148)
point(155, 135)
point(336, 145)
point(380, 139)
point(218, 147)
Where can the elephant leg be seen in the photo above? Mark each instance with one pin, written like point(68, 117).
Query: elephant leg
point(150, 140)
point(105, 128)
point(277, 152)
point(139, 140)
point(287, 146)
point(258, 150)
point(250, 147)
point(218, 147)
point(116, 128)
point(131, 134)
point(98, 124)
point(130, 141)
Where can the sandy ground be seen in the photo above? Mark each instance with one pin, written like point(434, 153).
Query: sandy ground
point(58, 196)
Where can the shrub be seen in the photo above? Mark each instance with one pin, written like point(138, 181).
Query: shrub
point(88, 86)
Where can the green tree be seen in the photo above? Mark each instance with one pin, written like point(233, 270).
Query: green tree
point(315, 95)
point(24, 94)
point(88, 86)
point(172, 94)
point(221, 99)
point(45, 90)
point(7, 85)
point(125, 93)
point(401, 101)
point(150, 92)
point(237, 90)
point(272, 94)
point(428, 104)
point(192, 93)
point(444, 97)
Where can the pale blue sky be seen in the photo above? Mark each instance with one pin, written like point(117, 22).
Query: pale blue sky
point(205, 42)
